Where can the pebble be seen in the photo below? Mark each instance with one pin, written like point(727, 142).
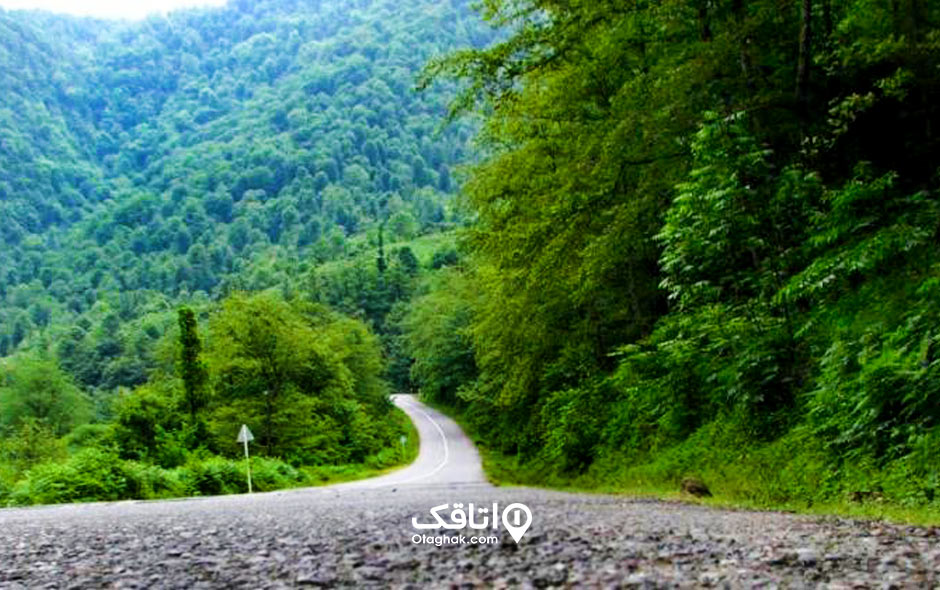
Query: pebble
point(806, 556)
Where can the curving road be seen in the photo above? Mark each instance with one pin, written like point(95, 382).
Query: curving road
point(447, 456)
point(361, 534)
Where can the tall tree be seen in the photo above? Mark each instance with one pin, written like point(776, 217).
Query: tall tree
point(192, 369)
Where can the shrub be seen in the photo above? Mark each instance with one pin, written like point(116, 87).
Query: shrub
point(144, 417)
point(384, 458)
point(151, 481)
point(89, 475)
point(89, 435)
point(211, 476)
point(6, 486)
point(271, 474)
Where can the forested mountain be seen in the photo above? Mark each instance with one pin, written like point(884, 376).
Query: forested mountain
point(215, 218)
point(207, 151)
point(706, 245)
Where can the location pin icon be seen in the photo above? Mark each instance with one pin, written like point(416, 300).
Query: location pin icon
point(514, 522)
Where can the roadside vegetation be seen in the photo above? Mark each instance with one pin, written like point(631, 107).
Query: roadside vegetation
point(704, 246)
point(307, 381)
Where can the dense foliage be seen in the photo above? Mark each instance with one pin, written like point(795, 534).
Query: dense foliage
point(705, 244)
point(209, 219)
point(206, 152)
point(307, 380)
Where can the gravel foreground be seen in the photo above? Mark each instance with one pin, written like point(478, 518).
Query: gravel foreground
point(363, 538)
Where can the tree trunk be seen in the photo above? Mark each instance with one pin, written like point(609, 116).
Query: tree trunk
point(744, 57)
point(805, 57)
point(704, 23)
point(918, 17)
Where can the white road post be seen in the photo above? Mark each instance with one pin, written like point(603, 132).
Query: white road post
point(244, 437)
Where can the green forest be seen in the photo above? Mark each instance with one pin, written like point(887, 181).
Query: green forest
point(215, 218)
point(704, 244)
point(625, 243)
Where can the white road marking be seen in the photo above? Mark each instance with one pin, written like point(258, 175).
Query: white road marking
point(443, 440)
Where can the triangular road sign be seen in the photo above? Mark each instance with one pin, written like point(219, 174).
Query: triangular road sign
point(244, 435)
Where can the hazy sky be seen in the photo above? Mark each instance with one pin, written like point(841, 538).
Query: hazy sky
point(132, 9)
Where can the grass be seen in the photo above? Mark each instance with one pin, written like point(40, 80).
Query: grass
point(423, 247)
point(779, 476)
point(505, 470)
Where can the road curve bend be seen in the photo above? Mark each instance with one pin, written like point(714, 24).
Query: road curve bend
point(446, 454)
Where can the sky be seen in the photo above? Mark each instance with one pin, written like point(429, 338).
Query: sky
point(125, 9)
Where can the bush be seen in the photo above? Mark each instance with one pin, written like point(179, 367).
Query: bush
point(572, 427)
point(271, 474)
point(6, 486)
point(384, 458)
point(89, 475)
point(144, 418)
point(89, 435)
point(169, 448)
point(211, 476)
point(29, 445)
point(151, 481)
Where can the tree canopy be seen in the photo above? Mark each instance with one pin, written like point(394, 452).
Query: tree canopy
point(700, 228)
point(209, 151)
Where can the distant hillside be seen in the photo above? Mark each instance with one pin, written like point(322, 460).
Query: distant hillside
point(210, 150)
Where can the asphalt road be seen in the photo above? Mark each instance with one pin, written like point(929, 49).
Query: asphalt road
point(446, 456)
point(362, 534)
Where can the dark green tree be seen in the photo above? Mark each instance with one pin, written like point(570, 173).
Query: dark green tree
point(192, 369)
point(380, 262)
